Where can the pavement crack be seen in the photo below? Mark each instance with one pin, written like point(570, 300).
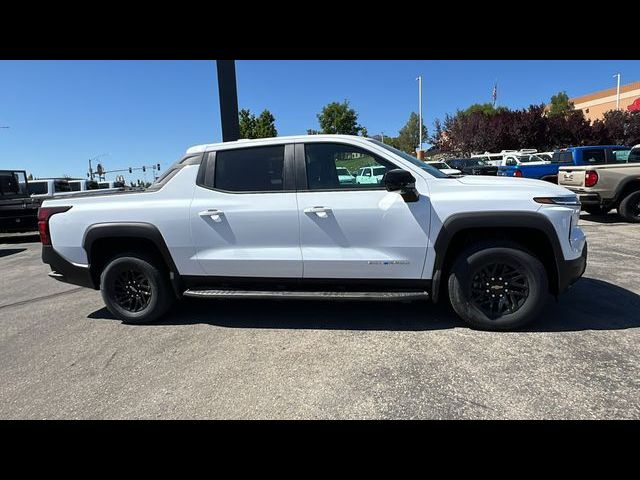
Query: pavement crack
point(44, 297)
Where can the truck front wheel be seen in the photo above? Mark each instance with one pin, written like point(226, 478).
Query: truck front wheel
point(497, 286)
point(135, 289)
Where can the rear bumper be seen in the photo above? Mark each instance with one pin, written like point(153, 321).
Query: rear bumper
point(569, 271)
point(586, 198)
point(65, 271)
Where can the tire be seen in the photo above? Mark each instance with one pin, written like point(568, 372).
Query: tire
point(595, 209)
point(135, 289)
point(473, 266)
point(629, 207)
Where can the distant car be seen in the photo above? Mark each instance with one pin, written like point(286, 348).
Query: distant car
point(567, 157)
point(548, 156)
point(513, 160)
point(444, 168)
point(48, 187)
point(83, 185)
point(18, 211)
point(345, 177)
point(104, 185)
point(601, 187)
point(472, 166)
point(370, 175)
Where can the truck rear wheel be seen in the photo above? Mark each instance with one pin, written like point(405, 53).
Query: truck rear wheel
point(497, 286)
point(134, 289)
point(629, 207)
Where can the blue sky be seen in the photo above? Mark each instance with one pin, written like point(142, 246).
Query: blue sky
point(61, 113)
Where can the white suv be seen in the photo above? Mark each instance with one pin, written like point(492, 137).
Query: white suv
point(271, 218)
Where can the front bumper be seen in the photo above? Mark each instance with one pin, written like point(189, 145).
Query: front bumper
point(65, 271)
point(569, 271)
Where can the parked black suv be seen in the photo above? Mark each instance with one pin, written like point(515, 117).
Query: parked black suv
point(472, 166)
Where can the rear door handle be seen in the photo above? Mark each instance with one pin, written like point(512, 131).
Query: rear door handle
point(214, 213)
point(321, 212)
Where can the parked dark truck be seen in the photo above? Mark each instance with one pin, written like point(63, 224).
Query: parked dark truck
point(18, 211)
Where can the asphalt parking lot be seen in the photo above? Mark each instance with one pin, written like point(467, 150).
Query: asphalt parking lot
point(62, 355)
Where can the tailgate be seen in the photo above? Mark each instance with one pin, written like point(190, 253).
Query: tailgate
point(569, 177)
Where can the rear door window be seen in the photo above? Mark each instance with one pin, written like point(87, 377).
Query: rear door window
point(593, 156)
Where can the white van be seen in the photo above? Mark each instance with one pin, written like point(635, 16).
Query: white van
point(497, 159)
point(47, 187)
point(82, 185)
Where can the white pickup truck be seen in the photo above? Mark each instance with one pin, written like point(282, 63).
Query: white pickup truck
point(269, 218)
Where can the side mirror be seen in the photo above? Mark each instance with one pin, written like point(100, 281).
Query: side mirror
point(401, 181)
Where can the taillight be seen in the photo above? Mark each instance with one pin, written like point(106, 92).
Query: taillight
point(517, 173)
point(44, 214)
point(590, 178)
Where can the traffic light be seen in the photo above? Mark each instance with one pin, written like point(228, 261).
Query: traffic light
point(130, 171)
point(158, 167)
point(144, 169)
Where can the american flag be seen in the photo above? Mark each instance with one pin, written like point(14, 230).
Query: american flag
point(494, 95)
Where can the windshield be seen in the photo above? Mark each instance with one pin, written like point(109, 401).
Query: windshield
point(439, 165)
point(418, 163)
point(342, 171)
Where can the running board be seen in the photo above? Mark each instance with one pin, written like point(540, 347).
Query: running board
point(306, 295)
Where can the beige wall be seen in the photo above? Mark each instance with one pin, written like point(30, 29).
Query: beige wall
point(595, 104)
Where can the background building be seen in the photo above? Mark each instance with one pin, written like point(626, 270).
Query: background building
point(595, 104)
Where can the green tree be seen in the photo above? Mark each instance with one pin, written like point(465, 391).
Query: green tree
point(339, 118)
point(261, 127)
point(247, 123)
point(30, 177)
point(560, 104)
point(265, 125)
point(409, 136)
point(486, 108)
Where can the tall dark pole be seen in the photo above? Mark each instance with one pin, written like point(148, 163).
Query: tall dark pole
point(228, 100)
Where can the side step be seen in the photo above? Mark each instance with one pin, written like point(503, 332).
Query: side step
point(307, 295)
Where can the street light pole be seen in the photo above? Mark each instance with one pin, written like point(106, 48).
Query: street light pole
point(618, 92)
point(420, 109)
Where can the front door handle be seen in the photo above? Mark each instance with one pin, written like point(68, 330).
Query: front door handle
point(321, 212)
point(214, 213)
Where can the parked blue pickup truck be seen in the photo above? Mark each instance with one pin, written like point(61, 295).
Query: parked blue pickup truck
point(591, 155)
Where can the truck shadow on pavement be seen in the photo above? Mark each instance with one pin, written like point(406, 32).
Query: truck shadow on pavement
point(5, 252)
point(14, 239)
point(605, 218)
point(589, 305)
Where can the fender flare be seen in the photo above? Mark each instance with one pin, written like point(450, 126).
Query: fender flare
point(135, 230)
point(487, 220)
point(620, 189)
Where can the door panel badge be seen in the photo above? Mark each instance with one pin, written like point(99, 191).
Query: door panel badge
point(388, 262)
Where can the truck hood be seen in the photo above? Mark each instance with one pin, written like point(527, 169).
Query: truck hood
point(539, 186)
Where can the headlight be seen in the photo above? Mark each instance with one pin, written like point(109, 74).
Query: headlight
point(569, 200)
